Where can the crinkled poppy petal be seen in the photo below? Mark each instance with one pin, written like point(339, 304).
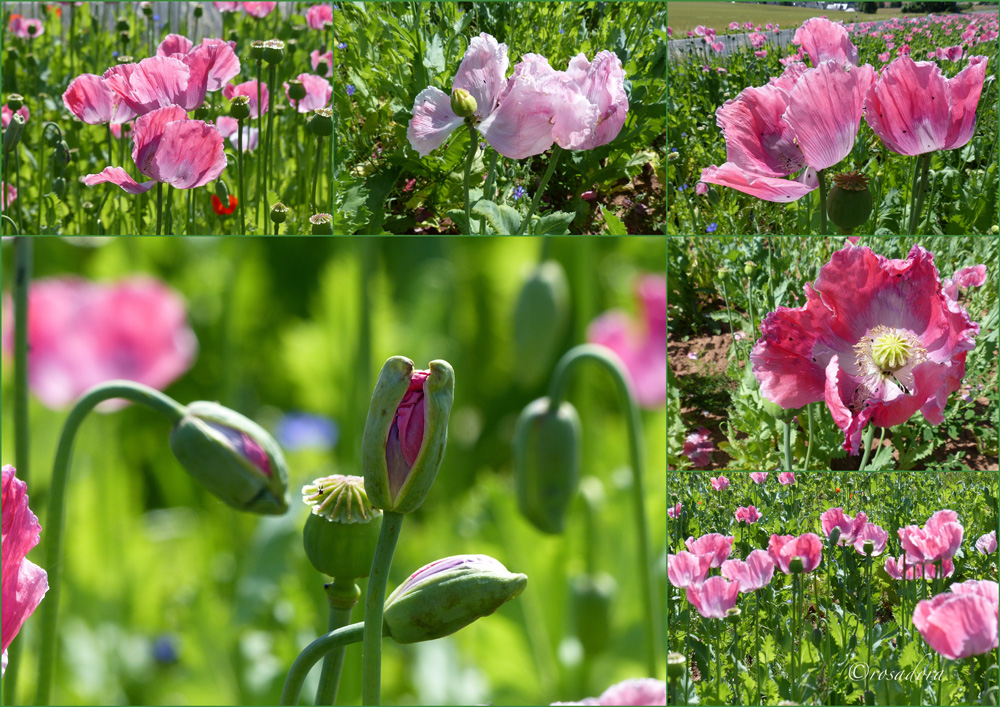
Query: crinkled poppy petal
point(432, 122)
point(148, 133)
point(156, 82)
point(318, 16)
point(758, 185)
point(574, 118)
point(824, 40)
point(604, 86)
point(824, 111)
point(909, 106)
point(191, 154)
point(117, 175)
point(482, 72)
point(259, 9)
point(521, 125)
point(89, 99)
point(965, 90)
point(840, 386)
point(757, 139)
point(24, 583)
point(174, 44)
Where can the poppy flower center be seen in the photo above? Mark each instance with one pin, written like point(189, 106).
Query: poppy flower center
point(885, 351)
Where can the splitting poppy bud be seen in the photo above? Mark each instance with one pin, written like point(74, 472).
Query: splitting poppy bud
point(463, 103)
point(342, 531)
point(540, 321)
point(406, 433)
point(233, 457)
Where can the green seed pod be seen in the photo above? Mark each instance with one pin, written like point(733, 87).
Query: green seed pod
point(233, 457)
point(279, 212)
point(590, 607)
point(849, 203)
point(445, 596)
point(274, 51)
point(733, 615)
point(322, 224)
point(321, 122)
point(203, 112)
point(123, 37)
point(122, 25)
point(15, 102)
point(795, 565)
point(540, 321)
point(342, 530)
point(676, 665)
point(749, 267)
point(463, 103)
point(222, 191)
point(239, 107)
point(546, 463)
point(198, 12)
point(296, 90)
point(257, 50)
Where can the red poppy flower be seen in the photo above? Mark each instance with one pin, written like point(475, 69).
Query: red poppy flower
point(221, 210)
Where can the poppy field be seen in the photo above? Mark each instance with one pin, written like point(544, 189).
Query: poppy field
point(833, 589)
point(500, 118)
point(333, 470)
point(173, 118)
point(853, 353)
point(872, 127)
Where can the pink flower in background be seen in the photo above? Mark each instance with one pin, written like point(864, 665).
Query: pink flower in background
point(894, 568)
point(786, 478)
point(714, 597)
point(761, 54)
point(824, 40)
point(315, 58)
point(987, 544)
point(675, 511)
point(26, 27)
point(318, 93)
point(90, 99)
point(915, 109)
point(759, 477)
point(320, 16)
point(8, 193)
point(883, 57)
point(874, 534)
point(84, 333)
point(850, 528)
point(156, 82)
point(227, 128)
point(747, 515)
point(698, 447)
point(720, 484)
point(24, 583)
point(957, 625)
point(973, 276)
point(877, 340)
point(635, 691)
point(249, 89)
point(259, 9)
point(686, 569)
point(211, 64)
point(6, 114)
point(751, 575)
point(939, 539)
point(716, 546)
point(641, 345)
point(228, 6)
point(808, 546)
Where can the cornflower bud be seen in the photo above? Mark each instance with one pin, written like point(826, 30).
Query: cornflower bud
point(342, 530)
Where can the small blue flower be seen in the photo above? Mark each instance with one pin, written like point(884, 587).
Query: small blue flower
point(711, 227)
point(300, 430)
point(114, 54)
point(350, 89)
point(342, 45)
point(482, 145)
point(518, 193)
point(562, 31)
point(156, 18)
point(682, 187)
point(673, 149)
point(684, 134)
point(165, 649)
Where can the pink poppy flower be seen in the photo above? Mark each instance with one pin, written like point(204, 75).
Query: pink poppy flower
point(747, 515)
point(874, 534)
point(171, 148)
point(786, 478)
point(894, 568)
point(759, 477)
point(720, 484)
point(751, 575)
point(877, 340)
point(315, 58)
point(685, 569)
point(883, 57)
point(939, 539)
point(26, 27)
point(83, 333)
point(6, 114)
point(320, 16)
point(808, 546)
point(715, 546)
point(24, 583)
point(635, 691)
point(850, 528)
point(675, 511)
point(714, 597)
point(249, 89)
point(985, 588)
point(227, 128)
point(156, 82)
point(641, 345)
point(228, 6)
point(318, 93)
point(915, 109)
point(957, 625)
point(987, 543)
point(698, 447)
point(603, 84)
point(973, 276)
point(90, 99)
point(8, 193)
point(824, 40)
point(212, 63)
point(259, 9)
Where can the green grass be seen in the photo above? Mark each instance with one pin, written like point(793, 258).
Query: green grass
point(684, 16)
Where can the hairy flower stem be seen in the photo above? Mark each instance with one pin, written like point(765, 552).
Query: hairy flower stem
point(159, 206)
point(809, 444)
point(868, 615)
point(756, 650)
point(55, 515)
point(557, 393)
point(312, 654)
point(556, 154)
point(822, 203)
point(342, 596)
point(271, 69)
point(239, 167)
point(260, 145)
point(787, 445)
point(488, 187)
point(923, 163)
point(867, 442)
point(374, 604)
point(473, 146)
point(316, 165)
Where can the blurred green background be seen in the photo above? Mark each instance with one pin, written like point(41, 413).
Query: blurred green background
point(171, 597)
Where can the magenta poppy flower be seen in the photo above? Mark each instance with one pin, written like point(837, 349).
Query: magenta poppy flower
point(877, 340)
point(211, 64)
point(156, 82)
point(641, 345)
point(850, 528)
point(751, 575)
point(759, 477)
point(786, 478)
point(675, 511)
point(698, 447)
point(987, 543)
point(227, 128)
point(874, 534)
point(915, 109)
point(714, 597)
point(686, 569)
point(747, 515)
point(635, 691)
point(24, 583)
point(957, 625)
point(406, 435)
point(228, 6)
point(808, 547)
point(83, 333)
point(824, 40)
point(26, 27)
point(715, 546)
point(973, 276)
point(6, 114)
point(249, 89)
point(315, 58)
point(939, 539)
point(720, 484)
point(90, 99)
point(320, 16)
point(318, 93)
point(171, 148)
point(259, 10)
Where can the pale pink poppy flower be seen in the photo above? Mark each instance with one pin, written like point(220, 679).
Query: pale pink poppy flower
point(824, 40)
point(877, 340)
point(8, 193)
point(686, 569)
point(693, 356)
point(259, 9)
point(883, 57)
point(987, 543)
point(808, 546)
point(698, 447)
point(714, 597)
point(227, 127)
point(757, 39)
point(759, 477)
point(212, 63)
point(171, 148)
point(228, 6)
point(715, 546)
point(640, 343)
point(26, 27)
point(747, 515)
point(320, 16)
point(985, 588)
point(894, 568)
point(786, 478)
point(717, 47)
point(6, 114)
point(739, 336)
point(850, 528)
point(315, 58)
point(318, 93)
point(701, 188)
point(973, 276)
point(939, 539)
point(84, 333)
point(675, 511)
point(249, 89)
point(635, 691)
point(156, 82)
point(874, 534)
point(957, 625)
point(24, 583)
point(751, 575)
point(720, 484)
point(90, 99)
point(602, 82)
point(915, 109)
point(760, 54)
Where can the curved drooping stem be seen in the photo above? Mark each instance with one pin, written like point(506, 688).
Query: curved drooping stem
point(867, 442)
point(55, 518)
point(312, 654)
point(374, 605)
point(556, 154)
point(557, 392)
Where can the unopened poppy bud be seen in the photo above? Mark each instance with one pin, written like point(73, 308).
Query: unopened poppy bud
point(257, 50)
point(59, 187)
point(198, 12)
point(406, 432)
point(448, 595)
point(342, 530)
point(817, 637)
point(296, 90)
point(233, 457)
point(222, 191)
point(676, 665)
point(834, 536)
point(795, 565)
point(590, 606)
point(15, 101)
point(239, 107)
point(61, 153)
point(869, 697)
point(849, 203)
point(546, 462)
point(274, 51)
point(279, 212)
point(463, 103)
point(12, 134)
point(121, 25)
point(203, 112)
point(540, 321)
point(321, 122)
point(322, 224)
